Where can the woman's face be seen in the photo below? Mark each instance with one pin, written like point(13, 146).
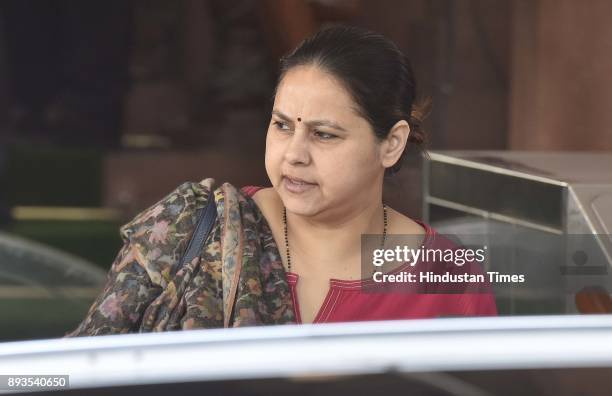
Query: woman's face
point(315, 135)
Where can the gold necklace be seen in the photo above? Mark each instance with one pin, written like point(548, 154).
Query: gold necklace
point(382, 244)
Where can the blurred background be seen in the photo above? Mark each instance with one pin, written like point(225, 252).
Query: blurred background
point(106, 106)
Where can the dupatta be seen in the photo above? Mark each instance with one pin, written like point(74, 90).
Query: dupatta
point(237, 280)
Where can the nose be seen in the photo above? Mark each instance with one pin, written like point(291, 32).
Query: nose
point(297, 151)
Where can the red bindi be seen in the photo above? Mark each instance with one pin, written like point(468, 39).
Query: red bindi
point(299, 119)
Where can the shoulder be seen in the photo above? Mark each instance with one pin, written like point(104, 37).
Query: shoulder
point(402, 224)
point(251, 190)
point(267, 200)
point(263, 196)
point(157, 236)
point(175, 212)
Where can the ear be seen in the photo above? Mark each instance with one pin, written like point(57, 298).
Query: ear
point(393, 145)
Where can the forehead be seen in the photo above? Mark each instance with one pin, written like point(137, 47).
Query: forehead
point(310, 93)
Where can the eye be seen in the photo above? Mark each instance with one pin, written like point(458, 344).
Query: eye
point(325, 136)
point(281, 125)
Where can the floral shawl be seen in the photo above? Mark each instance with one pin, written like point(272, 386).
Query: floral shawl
point(238, 280)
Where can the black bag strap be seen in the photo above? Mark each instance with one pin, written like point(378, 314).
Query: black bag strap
point(206, 220)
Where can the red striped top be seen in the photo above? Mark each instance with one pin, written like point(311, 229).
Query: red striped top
point(346, 301)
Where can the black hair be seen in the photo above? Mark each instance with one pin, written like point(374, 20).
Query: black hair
point(374, 71)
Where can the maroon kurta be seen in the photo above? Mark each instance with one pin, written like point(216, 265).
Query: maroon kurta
point(347, 301)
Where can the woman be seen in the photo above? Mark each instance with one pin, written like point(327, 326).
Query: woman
point(342, 118)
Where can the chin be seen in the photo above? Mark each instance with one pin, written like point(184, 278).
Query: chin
point(299, 206)
point(302, 210)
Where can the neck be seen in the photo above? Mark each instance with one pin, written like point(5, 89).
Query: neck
point(332, 245)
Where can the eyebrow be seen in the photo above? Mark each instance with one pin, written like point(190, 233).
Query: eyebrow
point(313, 123)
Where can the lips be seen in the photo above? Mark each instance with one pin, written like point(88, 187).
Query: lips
point(297, 180)
point(297, 185)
